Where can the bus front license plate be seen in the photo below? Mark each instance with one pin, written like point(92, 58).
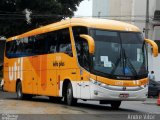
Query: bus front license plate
point(124, 95)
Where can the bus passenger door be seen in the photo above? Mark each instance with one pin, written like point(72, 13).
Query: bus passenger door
point(84, 85)
point(84, 62)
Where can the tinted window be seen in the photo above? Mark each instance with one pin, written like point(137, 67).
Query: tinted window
point(64, 42)
point(45, 43)
point(81, 46)
point(52, 39)
point(158, 43)
point(40, 44)
point(28, 45)
point(51, 42)
point(11, 48)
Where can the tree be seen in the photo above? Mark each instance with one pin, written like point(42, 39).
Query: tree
point(13, 19)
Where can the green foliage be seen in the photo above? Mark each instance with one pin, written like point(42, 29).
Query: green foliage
point(12, 16)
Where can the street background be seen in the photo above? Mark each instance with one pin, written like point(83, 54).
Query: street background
point(41, 107)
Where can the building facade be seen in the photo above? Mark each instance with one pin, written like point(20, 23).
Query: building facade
point(134, 12)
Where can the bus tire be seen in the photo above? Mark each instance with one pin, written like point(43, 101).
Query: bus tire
point(70, 100)
point(19, 91)
point(115, 104)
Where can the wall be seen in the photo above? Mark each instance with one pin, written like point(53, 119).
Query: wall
point(100, 8)
point(120, 9)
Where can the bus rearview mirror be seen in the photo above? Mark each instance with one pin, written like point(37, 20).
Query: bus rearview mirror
point(90, 41)
point(154, 47)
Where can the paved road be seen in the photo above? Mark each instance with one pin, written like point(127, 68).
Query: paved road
point(42, 108)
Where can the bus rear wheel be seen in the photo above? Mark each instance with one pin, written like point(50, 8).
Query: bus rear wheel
point(19, 91)
point(20, 94)
point(69, 99)
point(115, 104)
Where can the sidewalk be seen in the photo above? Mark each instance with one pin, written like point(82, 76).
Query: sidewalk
point(151, 101)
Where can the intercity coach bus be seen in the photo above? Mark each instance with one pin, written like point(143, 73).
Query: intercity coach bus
point(79, 58)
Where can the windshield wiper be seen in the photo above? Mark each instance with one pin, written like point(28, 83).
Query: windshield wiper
point(128, 62)
point(117, 63)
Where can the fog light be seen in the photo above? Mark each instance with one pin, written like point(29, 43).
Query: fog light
point(95, 92)
point(93, 81)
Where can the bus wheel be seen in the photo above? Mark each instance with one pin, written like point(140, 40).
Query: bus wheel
point(69, 96)
point(115, 104)
point(19, 91)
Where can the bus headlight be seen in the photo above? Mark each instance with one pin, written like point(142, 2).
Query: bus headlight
point(97, 83)
point(93, 81)
point(144, 86)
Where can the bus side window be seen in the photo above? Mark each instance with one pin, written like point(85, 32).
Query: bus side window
point(81, 46)
point(64, 42)
point(51, 42)
point(40, 44)
point(45, 43)
point(14, 46)
point(19, 49)
point(83, 53)
point(11, 48)
point(28, 46)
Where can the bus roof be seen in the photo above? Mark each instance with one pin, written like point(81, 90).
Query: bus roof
point(104, 24)
point(88, 22)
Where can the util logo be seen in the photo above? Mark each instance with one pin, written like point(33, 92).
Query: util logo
point(16, 71)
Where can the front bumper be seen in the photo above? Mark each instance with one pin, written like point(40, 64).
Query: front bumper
point(101, 93)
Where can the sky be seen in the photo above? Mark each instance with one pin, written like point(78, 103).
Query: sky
point(84, 9)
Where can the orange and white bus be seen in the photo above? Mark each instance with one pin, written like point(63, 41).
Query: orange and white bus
point(79, 58)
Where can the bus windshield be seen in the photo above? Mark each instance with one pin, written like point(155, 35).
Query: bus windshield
point(120, 55)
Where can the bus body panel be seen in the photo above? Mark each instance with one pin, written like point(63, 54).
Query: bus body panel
point(41, 75)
